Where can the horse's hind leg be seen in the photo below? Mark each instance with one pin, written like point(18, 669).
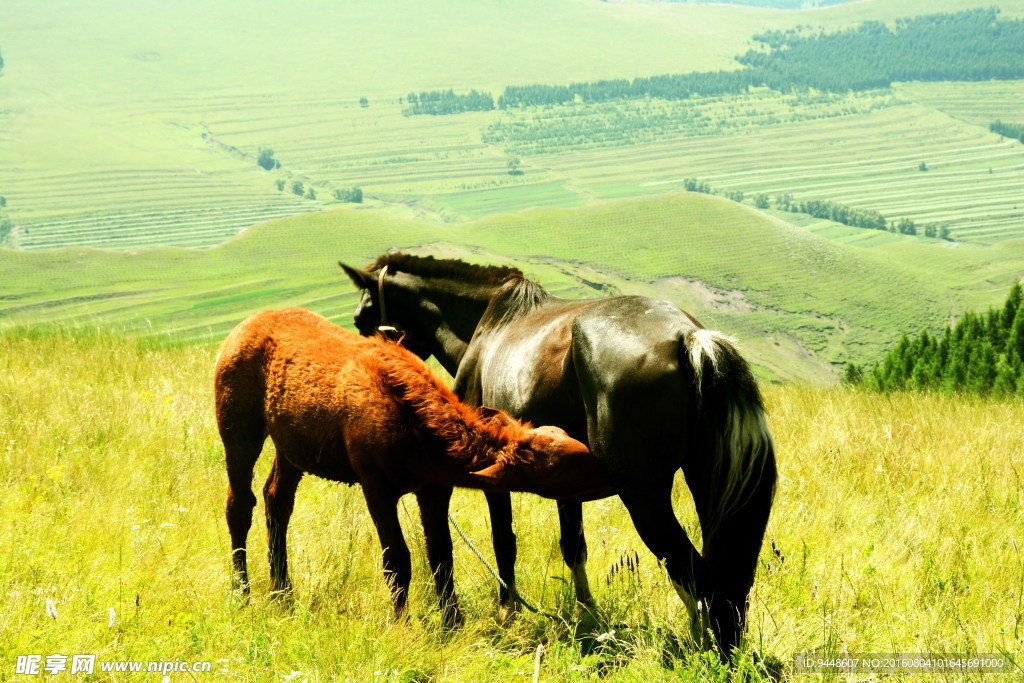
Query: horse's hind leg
point(279, 500)
point(433, 500)
point(240, 455)
point(574, 546)
point(650, 508)
point(383, 506)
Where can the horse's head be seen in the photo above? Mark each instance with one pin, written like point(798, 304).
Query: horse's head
point(372, 315)
point(550, 463)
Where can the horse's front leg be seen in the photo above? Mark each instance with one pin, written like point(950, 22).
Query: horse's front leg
point(383, 505)
point(279, 500)
point(500, 507)
point(574, 547)
point(434, 500)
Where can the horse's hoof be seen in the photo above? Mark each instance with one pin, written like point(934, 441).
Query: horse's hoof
point(507, 611)
point(283, 597)
point(589, 612)
point(452, 620)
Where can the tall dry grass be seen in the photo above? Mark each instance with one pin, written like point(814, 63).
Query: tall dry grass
point(898, 527)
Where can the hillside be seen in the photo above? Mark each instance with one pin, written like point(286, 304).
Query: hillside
point(801, 304)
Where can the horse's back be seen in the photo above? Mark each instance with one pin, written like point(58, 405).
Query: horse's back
point(630, 341)
point(292, 374)
point(633, 379)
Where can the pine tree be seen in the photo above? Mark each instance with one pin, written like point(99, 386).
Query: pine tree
point(1006, 378)
point(1015, 339)
point(981, 371)
point(853, 375)
point(1013, 302)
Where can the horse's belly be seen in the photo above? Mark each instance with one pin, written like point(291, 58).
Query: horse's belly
point(322, 457)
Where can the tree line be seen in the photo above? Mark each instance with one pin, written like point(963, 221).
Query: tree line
point(848, 215)
point(982, 354)
point(1007, 130)
point(441, 102)
point(827, 210)
point(964, 46)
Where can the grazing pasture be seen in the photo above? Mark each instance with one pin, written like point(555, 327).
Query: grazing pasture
point(897, 524)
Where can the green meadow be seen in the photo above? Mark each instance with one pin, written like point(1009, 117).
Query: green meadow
point(802, 304)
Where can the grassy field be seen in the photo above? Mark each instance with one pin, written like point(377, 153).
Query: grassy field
point(114, 512)
point(126, 125)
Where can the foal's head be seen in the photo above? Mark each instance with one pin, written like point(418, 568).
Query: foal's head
point(548, 462)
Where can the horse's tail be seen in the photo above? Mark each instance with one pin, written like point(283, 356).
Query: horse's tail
point(732, 478)
point(736, 435)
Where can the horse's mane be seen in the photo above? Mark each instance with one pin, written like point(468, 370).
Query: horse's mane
point(466, 433)
point(515, 298)
point(516, 294)
point(428, 266)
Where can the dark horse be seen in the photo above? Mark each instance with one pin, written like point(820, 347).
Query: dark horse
point(638, 380)
point(353, 409)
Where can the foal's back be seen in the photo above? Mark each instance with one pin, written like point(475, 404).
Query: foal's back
point(295, 376)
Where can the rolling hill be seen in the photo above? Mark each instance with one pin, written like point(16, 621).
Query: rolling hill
point(801, 304)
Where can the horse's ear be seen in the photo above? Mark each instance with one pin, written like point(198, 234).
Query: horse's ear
point(360, 278)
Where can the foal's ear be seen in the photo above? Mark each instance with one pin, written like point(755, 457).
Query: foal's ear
point(360, 278)
point(496, 415)
point(489, 478)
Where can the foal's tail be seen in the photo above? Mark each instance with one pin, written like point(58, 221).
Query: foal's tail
point(732, 478)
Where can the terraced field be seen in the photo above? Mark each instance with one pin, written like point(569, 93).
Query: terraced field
point(870, 160)
point(144, 184)
point(977, 103)
point(132, 126)
point(103, 108)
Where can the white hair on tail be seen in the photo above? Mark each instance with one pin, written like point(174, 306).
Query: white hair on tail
point(747, 443)
point(706, 344)
point(744, 443)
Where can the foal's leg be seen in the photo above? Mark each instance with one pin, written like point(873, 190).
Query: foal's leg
point(383, 506)
point(574, 546)
point(240, 455)
point(279, 499)
point(433, 500)
point(504, 539)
